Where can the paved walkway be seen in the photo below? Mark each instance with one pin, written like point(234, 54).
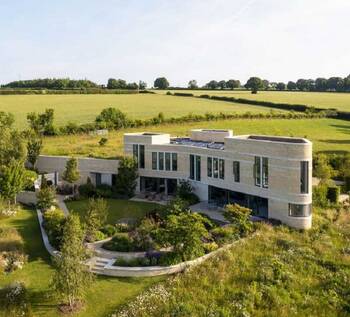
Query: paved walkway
point(213, 213)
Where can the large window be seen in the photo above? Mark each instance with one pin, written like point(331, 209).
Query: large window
point(161, 161)
point(138, 151)
point(195, 167)
point(167, 161)
point(304, 177)
point(215, 167)
point(221, 168)
point(174, 161)
point(210, 167)
point(236, 171)
point(300, 210)
point(261, 171)
point(154, 160)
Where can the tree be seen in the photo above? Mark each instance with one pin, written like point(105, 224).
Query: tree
point(46, 198)
point(12, 180)
point(321, 84)
point(335, 83)
point(322, 169)
point(192, 84)
point(71, 278)
point(111, 118)
point(126, 177)
point(71, 173)
point(95, 218)
point(232, 84)
point(184, 232)
point(34, 147)
point(116, 83)
point(291, 85)
point(161, 83)
point(254, 83)
point(265, 84)
point(142, 85)
point(239, 217)
point(222, 84)
point(42, 123)
point(347, 83)
point(281, 86)
point(213, 84)
point(302, 84)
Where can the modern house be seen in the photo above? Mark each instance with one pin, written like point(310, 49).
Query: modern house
point(269, 174)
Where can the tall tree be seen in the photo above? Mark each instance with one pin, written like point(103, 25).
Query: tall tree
point(232, 84)
point(291, 85)
point(71, 278)
point(42, 123)
point(34, 147)
point(192, 84)
point(126, 177)
point(213, 84)
point(71, 173)
point(161, 83)
point(281, 86)
point(222, 84)
point(321, 84)
point(254, 84)
point(142, 85)
point(95, 218)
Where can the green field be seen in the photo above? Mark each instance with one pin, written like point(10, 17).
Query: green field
point(328, 135)
point(340, 101)
point(105, 295)
point(85, 108)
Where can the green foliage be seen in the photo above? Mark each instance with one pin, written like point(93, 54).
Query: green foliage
point(226, 234)
point(34, 147)
point(161, 83)
point(14, 300)
point(103, 141)
point(184, 232)
point(46, 198)
point(104, 191)
point(95, 218)
point(144, 235)
point(121, 242)
point(185, 191)
point(126, 177)
point(254, 83)
point(71, 173)
point(29, 179)
point(333, 193)
point(319, 195)
point(177, 206)
point(111, 118)
point(239, 217)
point(87, 190)
point(12, 180)
point(42, 123)
point(322, 169)
point(54, 222)
point(71, 278)
point(52, 83)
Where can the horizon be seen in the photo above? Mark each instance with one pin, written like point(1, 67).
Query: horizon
point(180, 41)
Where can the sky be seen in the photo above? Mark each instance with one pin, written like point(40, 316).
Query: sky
point(278, 40)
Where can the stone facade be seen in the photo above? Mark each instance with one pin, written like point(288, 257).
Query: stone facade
point(284, 156)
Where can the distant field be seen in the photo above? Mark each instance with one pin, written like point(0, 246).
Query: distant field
point(328, 135)
point(84, 108)
point(340, 101)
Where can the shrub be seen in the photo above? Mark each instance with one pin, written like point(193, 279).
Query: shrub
point(54, 221)
point(87, 190)
point(210, 247)
point(121, 242)
point(185, 192)
point(46, 198)
point(224, 235)
point(333, 193)
point(103, 141)
point(99, 235)
point(111, 118)
point(95, 218)
point(109, 230)
point(170, 258)
point(104, 191)
point(239, 217)
point(319, 195)
point(143, 235)
point(126, 177)
point(14, 300)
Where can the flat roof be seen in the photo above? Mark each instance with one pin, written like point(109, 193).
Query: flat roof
point(202, 144)
point(276, 139)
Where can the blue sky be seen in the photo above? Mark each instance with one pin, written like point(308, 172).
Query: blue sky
point(182, 40)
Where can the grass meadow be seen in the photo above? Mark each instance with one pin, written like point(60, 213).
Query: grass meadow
point(85, 108)
point(105, 295)
point(340, 101)
point(327, 135)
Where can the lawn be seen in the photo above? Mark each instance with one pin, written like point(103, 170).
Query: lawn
point(104, 295)
point(117, 209)
point(84, 108)
point(340, 101)
point(280, 272)
point(328, 135)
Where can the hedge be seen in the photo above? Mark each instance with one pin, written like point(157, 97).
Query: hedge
point(20, 91)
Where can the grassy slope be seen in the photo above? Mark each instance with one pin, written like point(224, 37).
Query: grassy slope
point(279, 272)
point(84, 108)
point(328, 135)
point(104, 295)
point(340, 101)
point(117, 209)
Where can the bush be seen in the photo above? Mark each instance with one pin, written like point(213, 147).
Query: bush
point(121, 242)
point(104, 191)
point(210, 247)
point(333, 193)
point(14, 300)
point(224, 235)
point(87, 190)
point(239, 217)
point(54, 221)
point(170, 258)
point(143, 235)
point(46, 198)
point(109, 230)
point(126, 177)
point(99, 235)
point(319, 195)
point(111, 118)
point(103, 141)
point(185, 192)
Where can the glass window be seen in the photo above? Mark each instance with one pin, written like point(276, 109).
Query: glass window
point(98, 178)
point(215, 167)
point(198, 168)
point(210, 167)
point(304, 177)
point(135, 151)
point(174, 161)
point(154, 160)
point(161, 161)
point(300, 210)
point(191, 166)
point(257, 171)
point(142, 156)
point(265, 172)
point(167, 162)
point(236, 171)
point(221, 168)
